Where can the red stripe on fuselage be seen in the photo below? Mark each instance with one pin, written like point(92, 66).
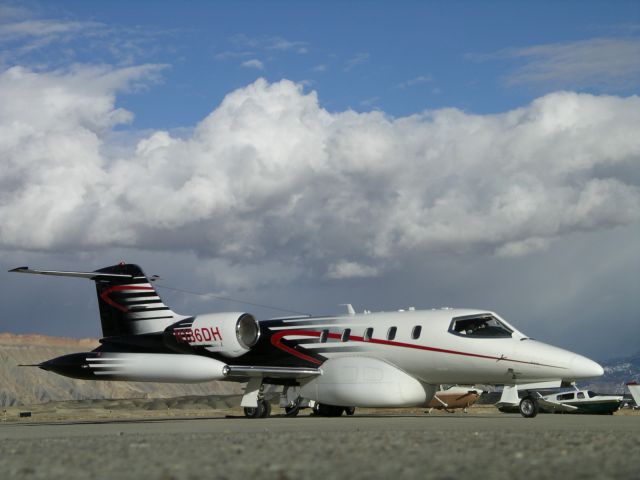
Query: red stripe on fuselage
point(104, 295)
point(276, 337)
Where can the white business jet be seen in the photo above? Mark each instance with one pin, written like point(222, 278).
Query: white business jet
point(389, 359)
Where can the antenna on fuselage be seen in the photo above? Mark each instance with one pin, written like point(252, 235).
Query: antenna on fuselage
point(350, 309)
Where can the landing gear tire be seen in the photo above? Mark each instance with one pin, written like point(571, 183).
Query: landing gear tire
point(528, 407)
point(253, 412)
point(329, 410)
point(263, 410)
point(293, 410)
point(266, 409)
point(323, 410)
point(350, 410)
point(336, 411)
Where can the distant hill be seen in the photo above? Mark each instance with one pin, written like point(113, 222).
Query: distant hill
point(617, 373)
point(29, 385)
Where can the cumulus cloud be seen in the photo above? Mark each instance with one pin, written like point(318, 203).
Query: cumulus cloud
point(270, 177)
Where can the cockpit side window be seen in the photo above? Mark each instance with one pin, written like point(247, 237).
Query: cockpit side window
point(566, 396)
point(479, 326)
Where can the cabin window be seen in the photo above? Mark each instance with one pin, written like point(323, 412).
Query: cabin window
point(391, 334)
point(345, 335)
point(580, 394)
point(368, 333)
point(592, 394)
point(323, 336)
point(479, 326)
point(566, 396)
point(415, 333)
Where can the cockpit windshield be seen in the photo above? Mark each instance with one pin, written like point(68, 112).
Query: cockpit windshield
point(479, 326)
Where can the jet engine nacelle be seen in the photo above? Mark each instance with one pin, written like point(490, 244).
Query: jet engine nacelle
point(230, 334)
point(366, 382)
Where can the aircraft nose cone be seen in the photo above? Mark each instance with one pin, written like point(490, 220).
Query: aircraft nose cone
point(582, 367)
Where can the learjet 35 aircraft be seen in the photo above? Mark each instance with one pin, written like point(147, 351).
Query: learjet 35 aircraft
point(387, 359)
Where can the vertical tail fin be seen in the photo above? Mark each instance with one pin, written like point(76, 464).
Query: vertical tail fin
point(129, 304)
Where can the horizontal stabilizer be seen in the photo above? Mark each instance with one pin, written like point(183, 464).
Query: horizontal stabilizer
point(57, 273)
point(272, 372)
point(29, 364)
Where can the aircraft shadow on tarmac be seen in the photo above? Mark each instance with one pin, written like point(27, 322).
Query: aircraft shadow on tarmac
point(353, 418)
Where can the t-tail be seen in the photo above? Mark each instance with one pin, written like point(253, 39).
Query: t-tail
point(129, 304)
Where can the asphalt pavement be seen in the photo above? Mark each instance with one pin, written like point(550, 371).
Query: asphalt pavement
point(443, 447)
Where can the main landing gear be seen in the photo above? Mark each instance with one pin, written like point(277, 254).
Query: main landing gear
point(324, 410)
point(254, 402)
point(293, 408)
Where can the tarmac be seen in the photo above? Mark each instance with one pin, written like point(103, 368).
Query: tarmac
point(450, 446)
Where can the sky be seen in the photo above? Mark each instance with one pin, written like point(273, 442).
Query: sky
point(302, 155)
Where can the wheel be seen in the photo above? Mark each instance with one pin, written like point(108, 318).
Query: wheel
point(528, 407)
point(266, 409)
point(254, 412)
point(293, 410)
point(336, 411)
point(350, 410)
point(325, 410)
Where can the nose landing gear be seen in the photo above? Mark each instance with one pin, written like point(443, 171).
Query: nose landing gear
point(528, 407)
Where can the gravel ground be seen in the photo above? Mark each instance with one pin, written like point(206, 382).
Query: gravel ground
point(443, 447)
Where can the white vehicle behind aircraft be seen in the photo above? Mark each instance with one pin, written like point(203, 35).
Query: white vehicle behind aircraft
point(390, 359)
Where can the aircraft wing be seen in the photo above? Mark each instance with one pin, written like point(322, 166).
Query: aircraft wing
point(560, 407)
point(271, 372)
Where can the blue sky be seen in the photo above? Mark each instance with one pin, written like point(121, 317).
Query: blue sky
point(309, 154)
point(399, 57)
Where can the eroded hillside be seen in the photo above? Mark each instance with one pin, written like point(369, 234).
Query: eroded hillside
point(28, 385)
